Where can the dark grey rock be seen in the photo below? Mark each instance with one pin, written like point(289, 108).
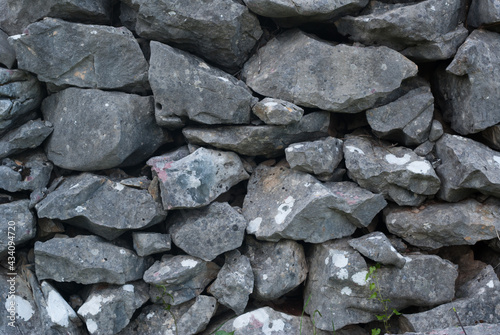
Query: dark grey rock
point(30, 172)
point(407, 120)
point(436, 131)
point(277, 112)
point(283, 69)
point(466, 167)
point(169, 157)
point(186, 88)
point(208, 232)
point(198, 316)
point(263, 140)
point(469, 85)
point(479, 329)
point(492, 136)
point(113, 129)
point(18, 226)
point(28, 136)
point(425, 30)
point(234, 282)
point(150, 243)
point(318, 157)
point(86, 260)
point(378, 248)
point(484, 13)
point(277, 267)
point(94, 63)
point(7, 53)
point(397, 172)
point(424, 149)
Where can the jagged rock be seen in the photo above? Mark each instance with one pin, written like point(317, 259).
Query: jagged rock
point(141, 183)
point(31, 172)
point(282, 69)
point(101, 206)
point(186, 88)
point(277, 267)
point(18, 226)
point(436, 131)
point(318, 157)
point(425, 149)
point(234, 282)
point(407, 120)
point(378, 248)
point(466, 167)
point(94, 63)
point(177, 279)
point(28, 136)
point(479, 329)
point(198, 316)
point(208, 232)
point(397, 172)
point(263, 140)
point(338, 289)
point(443, 224)
point(492, 136)
point(196, 180)
point(484, 13)
point(150, 243)
point(109, 308)
point(424, 30)
point(277, 112)
point(112, 128)
point(470, 84)
point(156, 319)
point(86, 260)
point(224, 34)
point(7, 53)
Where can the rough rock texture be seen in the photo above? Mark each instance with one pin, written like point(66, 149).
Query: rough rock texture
point(18, 226)
point(7, 53)
point(29, 136)
point(317, 157)
point(479, 329)
point(492, 136)
point(378, 248)
point(484, 13)
point(198, 315)
point(29, 172)
point(277, 112)
point(150, 243)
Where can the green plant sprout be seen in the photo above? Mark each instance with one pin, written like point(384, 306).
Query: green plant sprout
point(459, 322)
point(312, 319)
point(166, 306)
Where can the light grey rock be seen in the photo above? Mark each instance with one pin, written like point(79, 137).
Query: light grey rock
point(424, 149)
point(86, 260)
point(28, 136)
point(444, 224)
point(156, 320)
point(222, 31)
point(7, 53)
point(397, 172)
point(30, 172)
point(234, 282)
point(407, 120)
point(425, 30)
point(312, 73)
point(484, 13)
point(146, 244)
point(208, 232)
point(479, 329)
point(113, 129)
point(466, 167)
point(436, 131)
point(318, 157)
point(109, 308)
point(101, 206)
point(198, 316)
point(277, 112)
point(378, 248)
point(94, 63)
point(186, 88)
point(277, 267)
point(18, 226)
point(469, 85)
point(141, 183)
point(492, 136)
point(196, 180)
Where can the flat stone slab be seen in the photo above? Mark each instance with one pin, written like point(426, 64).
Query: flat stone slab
point(28, 136)
point(378, 248)
point(18, 226)
point(318, 157)
point(277, 112)
point(150, 243)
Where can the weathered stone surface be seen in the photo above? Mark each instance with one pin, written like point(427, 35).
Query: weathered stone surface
point(283, 69)
point(484, 13)
point(479, 329)
point(378, 248)
point(470, 86)
point(397, 172)
point(425, 30)
point(18, 225)
point(223, 32)
point(443, 224)
point(317, 157)
point(407, 120)
point(112, 128)
point(101, 206)
point(30, 172)
point(150, 243)
point(196, 180)
point(155, 319)
point(436, 131)
point(208, 232)
point(234, 282)
point(94, 63)
point(28, 136)
point(198, 316)
point(466, 167)
point(263, 140)
point(7, 53)
point(108, 308)
point(186, 88)
point(277, 112)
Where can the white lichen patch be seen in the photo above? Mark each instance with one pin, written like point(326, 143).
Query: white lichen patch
point(343, 274)
point(23, 307)
point(420, 167)
point(193, 182)
point(128, 288)
point(91, 325)
point(392, 159)
point(119, 187)
point(150, 315)
point(338, 258)
point(242, 321)
point(490, 284)
point(354, 149)
point(496, 159)
point(346, 291)
point(270, 104)
point(264, 276)
point(16, 37)
point(284, 209)
point(122, 251)
point(93, 305)
point(80, 209)
point(359, 278)
point(94, 252)
point(273, 327)
point(254, 225)
point(189, 263)
point(58, 309)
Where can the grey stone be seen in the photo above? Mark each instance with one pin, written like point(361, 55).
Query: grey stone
point(318, 157)
point(277, 112)
point(208, 232)
point(170, 156)
point(378, 248)
point(263, 140)
point(141, 183)
point(7, 53)
point(397, 172)
point(284, 69)
point(150, 243)
point(479, 329)
point(277, 267)
point(30, 172)
point(484, 14)
point(186, 88)
point(94, 63)
point(196, 180)
point(407, 120)
point(86, 260)
point(198, 316)
point(436, 131)
point(109, 308)
point(469, 85)
point(425, 149)
point(156, 320)
point(492, 136)
point(466, 167)
point(443, 224)
point(234, 282)
point(28, 136)
point(113, 128)
point(18, 226)
point(425, 30)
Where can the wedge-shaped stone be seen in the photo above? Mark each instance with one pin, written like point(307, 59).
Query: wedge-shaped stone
point(277, 112)
point(18, 225)
point(377, 247)
point(28, 136)
point(318, 157)
point(484, 13)
point(151, 243)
